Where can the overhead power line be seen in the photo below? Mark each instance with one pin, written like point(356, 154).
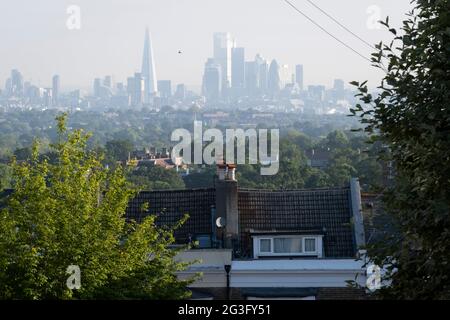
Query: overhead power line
point(341, 25)
point(326, 31)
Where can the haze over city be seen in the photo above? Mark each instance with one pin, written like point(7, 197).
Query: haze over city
point(243, 151)
point(36, 40)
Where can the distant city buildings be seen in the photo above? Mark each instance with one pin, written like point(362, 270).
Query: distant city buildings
point(223, 45)
point(299, 76)
point(274, 78)
point(238, 71)
point(55, 89)
point(148, 71)
point(212, 80)
point(229, 81)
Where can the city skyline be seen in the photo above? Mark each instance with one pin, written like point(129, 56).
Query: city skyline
point(233, 73)
point(112, 43)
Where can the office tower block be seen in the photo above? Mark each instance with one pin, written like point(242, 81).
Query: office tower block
point(285, 76)
point(165, 88)
point(120, 88)
point(274, 78)
point(48, 97)
point(262, 71)
point(212, 78)
point(107, 81)
point(338, 88)
point(148, 69)
point(180, 92)
point(138, 95)
point(222, 55)
point(251, 77)
point(299, 76)
point(238, 70)
point(97, 87)
point(316, 93)
point(55, 90)
point(8, 87)
point(16, 83)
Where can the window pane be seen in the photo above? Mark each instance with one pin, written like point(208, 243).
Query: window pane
point(264, 245)
point(310, 245)
point(287, 245)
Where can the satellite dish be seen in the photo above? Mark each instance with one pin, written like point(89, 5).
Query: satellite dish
point(220, 222)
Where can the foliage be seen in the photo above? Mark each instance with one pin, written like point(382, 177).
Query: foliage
point(155, 178)
point(411, 116)
point(118, 150)
point(5, 176)
point(72, 213)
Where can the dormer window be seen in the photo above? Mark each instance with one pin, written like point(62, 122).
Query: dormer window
point(287, 245)
point(265, 245)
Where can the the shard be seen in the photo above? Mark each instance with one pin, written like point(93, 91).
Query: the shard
point(148, 69)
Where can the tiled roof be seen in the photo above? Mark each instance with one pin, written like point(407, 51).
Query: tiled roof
point(172, 205)
point(324, 211)
point(317, 209)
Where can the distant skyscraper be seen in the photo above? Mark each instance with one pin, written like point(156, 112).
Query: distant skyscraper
point(285, 75)
point(299, 76)
point(148, 69)
point(8, 87)
point(238, 69)
point(180, 93)
point(212, 78)
point(120, 88)
point(251, 77)
point(138, 95)
point(274, 77)
point(262, 74)
point(55, 90)
point(165, 88)
point(222, 55)
point(107, 82)
point(48, 97)
point(16, 83)
point(338, 88)
point(97, 87)
point(316, 93)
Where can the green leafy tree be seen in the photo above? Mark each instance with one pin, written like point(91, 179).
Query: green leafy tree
point(72, 213)
point(336, 140)
point(411, 116)
point(5, 176)
point(118, 150)
point(340, 169)
point(153, 177)
point(22, 153)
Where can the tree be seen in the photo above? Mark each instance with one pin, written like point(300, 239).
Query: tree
point(5, 176)
point(411, 116)
point(72, 213)
point(153, 177)
point(22, 153)
point(336, 140)
point(118, 150)
point(340, 169)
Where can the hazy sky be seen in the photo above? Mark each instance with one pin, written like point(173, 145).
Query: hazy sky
point(34, 37)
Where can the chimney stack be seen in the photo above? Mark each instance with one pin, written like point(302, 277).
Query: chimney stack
point(227, 203)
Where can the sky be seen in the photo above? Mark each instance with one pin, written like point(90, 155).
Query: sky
point(35, 39)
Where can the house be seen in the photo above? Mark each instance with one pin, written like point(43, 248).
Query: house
point(265, 244)
point(318, 158)
point(151, 157)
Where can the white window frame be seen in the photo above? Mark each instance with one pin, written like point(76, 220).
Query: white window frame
point(271, 245)
point(317, 253)
point(304, 244)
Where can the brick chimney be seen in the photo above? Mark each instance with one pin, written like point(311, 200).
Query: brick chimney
point(227, 203)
